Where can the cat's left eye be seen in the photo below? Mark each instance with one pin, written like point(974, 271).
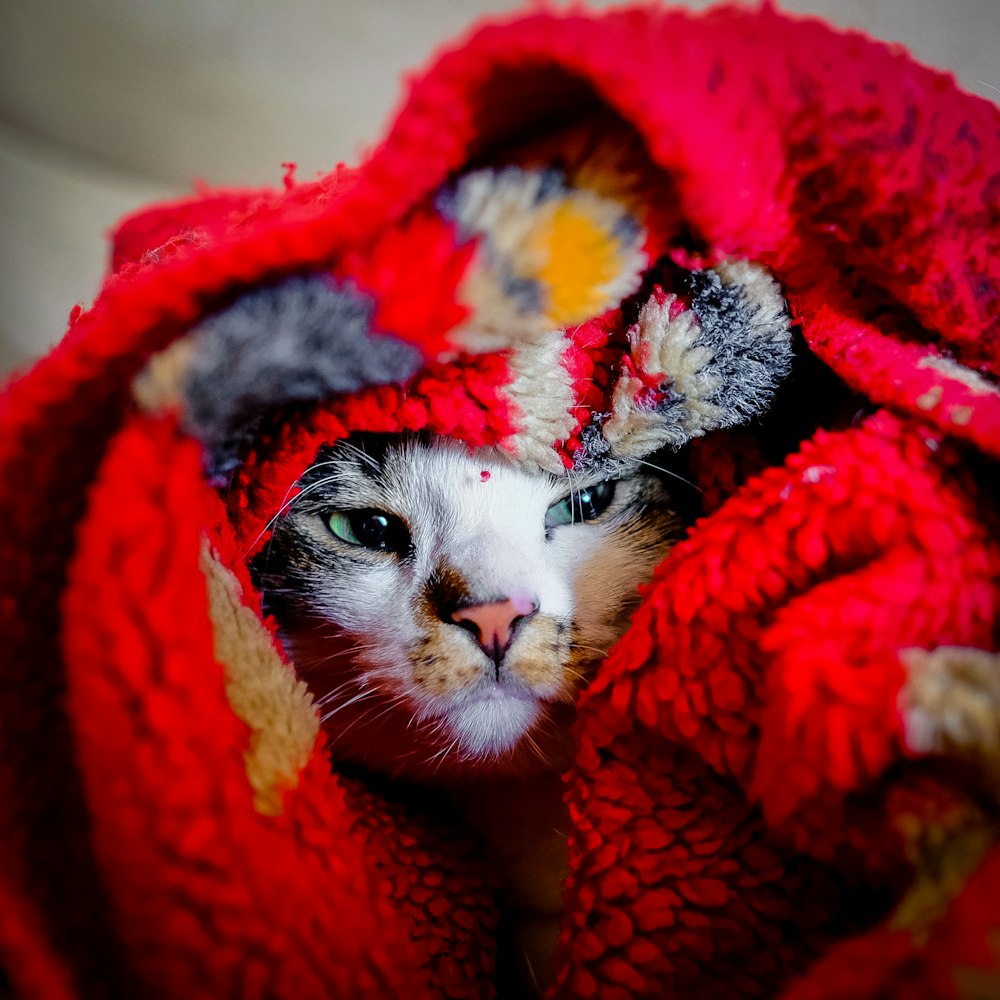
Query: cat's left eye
point(581, 505)
point(372, 529)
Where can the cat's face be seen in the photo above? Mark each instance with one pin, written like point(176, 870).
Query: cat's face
point(446, 606)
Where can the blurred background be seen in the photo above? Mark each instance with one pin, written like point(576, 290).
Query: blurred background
point(108, 104)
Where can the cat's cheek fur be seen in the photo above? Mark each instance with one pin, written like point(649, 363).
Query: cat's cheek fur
point(443, 663)
point(606, 567)
point(538, 656)
point(368, 605)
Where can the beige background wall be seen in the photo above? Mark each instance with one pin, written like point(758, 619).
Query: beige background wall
point(106, 104)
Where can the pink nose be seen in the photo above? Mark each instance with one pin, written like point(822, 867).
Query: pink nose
point(493, 624)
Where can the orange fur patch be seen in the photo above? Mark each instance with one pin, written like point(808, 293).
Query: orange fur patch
point(539, 654)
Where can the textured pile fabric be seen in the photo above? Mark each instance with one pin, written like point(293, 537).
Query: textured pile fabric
point(787, 775)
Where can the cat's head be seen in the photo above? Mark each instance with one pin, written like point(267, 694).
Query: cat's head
point(446, 605)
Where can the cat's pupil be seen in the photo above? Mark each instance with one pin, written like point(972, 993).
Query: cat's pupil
point(372, 530)
point(592, 502)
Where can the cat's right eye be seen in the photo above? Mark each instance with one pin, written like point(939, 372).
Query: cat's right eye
point(581, 505)
point(372, 529)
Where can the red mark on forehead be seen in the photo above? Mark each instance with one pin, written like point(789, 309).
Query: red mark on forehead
point(484, 476)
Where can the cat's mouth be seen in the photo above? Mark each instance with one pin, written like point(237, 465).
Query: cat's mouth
point(499, 691)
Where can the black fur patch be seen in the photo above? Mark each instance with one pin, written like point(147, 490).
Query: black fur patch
point(302, 340)
point(751, 354)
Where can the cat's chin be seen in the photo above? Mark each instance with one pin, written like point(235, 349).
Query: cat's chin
point(490, 724)
point(503, 733)
point(497, 730)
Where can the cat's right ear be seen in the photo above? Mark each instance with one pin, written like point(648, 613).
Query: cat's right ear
point(300, 340)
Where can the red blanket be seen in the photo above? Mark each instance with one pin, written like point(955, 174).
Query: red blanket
point(787, 774)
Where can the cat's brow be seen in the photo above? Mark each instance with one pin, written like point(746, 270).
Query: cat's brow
point(331, 463)
point(364, 458)
point(344, 475)
point(349, 489)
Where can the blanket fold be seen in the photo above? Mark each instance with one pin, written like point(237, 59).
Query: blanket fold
point(761, 247)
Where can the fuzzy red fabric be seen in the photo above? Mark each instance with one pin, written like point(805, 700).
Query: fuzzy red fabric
point(747, 818)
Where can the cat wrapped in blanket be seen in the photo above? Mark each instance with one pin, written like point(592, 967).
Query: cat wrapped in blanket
point(177, 826)
point(447, 601)
point(446, 606)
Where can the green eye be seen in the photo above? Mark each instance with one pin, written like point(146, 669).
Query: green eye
point(371, 529)
point(584, 505)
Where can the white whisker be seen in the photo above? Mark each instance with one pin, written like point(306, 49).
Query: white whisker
point(668, 472)
point(367, 693)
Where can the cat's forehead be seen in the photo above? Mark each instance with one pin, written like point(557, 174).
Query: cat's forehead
point(386, 464)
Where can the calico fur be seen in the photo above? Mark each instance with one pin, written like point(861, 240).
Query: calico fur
point(403, 686)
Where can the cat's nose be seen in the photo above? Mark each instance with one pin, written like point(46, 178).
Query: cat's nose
point(493, 624)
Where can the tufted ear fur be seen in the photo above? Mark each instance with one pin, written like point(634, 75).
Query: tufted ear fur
point(301, 340)
point(705, 355)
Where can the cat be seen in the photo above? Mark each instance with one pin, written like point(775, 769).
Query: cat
point(447, 606)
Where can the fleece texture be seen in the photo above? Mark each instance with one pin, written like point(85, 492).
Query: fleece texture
point(786, 779)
